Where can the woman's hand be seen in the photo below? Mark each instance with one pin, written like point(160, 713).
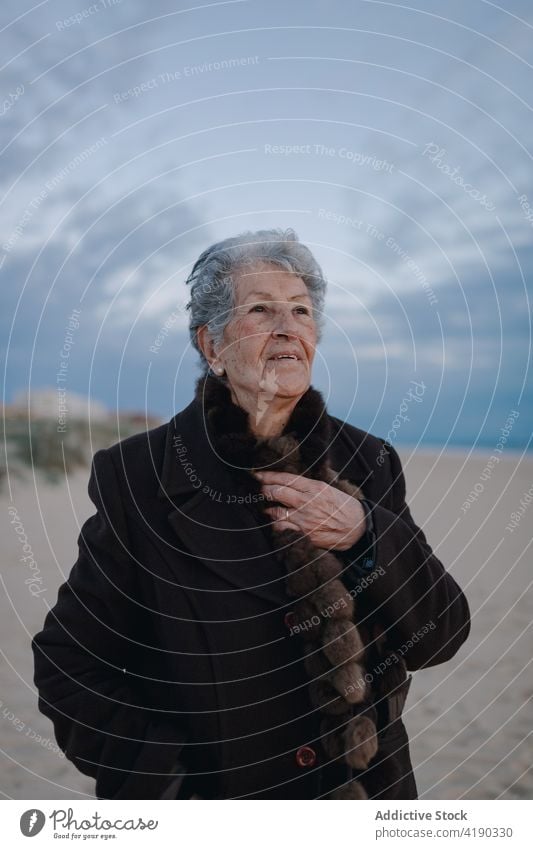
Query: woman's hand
point(330, 518)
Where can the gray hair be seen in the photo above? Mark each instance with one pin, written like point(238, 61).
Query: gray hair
point(211, 279)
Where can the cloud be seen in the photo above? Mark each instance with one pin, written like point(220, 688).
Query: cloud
point(182, 163)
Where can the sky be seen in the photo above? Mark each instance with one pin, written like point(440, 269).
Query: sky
point(395, 139)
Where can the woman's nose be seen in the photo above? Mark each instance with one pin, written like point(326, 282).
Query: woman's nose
point(284, 323)
point(284, 330)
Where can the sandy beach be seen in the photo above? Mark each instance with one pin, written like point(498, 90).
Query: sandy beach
point(469, 720)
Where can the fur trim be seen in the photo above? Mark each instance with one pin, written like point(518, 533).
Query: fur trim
point(334, 648)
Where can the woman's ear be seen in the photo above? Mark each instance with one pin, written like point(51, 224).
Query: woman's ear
point(206, 343)
point(208, 349)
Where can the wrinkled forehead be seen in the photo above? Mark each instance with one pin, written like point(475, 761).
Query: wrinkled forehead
point(266, 280)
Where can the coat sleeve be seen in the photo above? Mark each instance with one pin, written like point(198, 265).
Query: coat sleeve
point(88, 670)
point(425, 612)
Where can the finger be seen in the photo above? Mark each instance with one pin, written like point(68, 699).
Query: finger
point(298, 482)
point(286, 526)
point(286, 494)
point(280, 514)
point(283, 524)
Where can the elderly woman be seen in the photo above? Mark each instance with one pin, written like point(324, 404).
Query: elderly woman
point(252, 589)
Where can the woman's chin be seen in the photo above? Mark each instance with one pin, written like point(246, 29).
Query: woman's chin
point(283, 380)
point(290, 386)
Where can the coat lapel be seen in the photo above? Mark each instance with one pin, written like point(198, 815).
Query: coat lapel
point(346, 457)
point(222, 534)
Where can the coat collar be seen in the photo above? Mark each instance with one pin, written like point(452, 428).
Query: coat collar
point(192, 460)
point(210, 497)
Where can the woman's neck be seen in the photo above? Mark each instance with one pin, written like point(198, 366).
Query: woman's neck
point(267, 414)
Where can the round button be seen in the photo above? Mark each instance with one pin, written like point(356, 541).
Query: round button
point(305, 756)
point(290, 619)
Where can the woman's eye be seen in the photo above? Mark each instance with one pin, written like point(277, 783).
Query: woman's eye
point(261, 308)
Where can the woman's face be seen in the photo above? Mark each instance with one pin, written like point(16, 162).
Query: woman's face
point(269, 342)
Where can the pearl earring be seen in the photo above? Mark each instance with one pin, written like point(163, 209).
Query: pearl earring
point(218, 370)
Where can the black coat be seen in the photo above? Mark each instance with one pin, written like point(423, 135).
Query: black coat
point(168, 666)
